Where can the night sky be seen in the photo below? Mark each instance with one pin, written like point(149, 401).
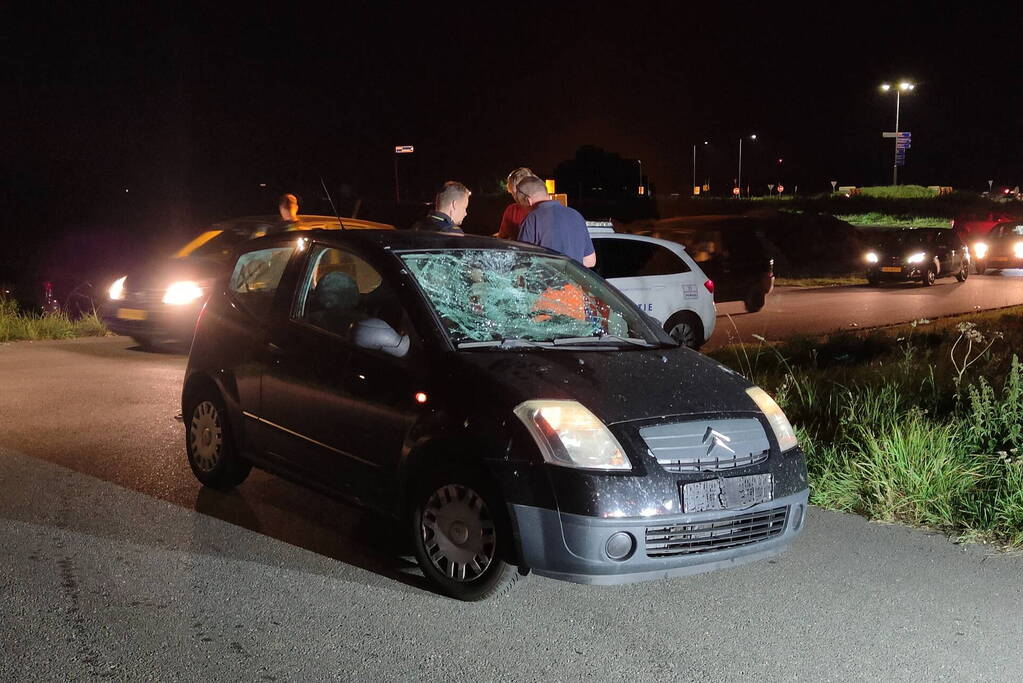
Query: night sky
point(191, 110)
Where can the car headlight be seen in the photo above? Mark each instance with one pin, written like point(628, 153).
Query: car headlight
point(181, 293)
point(980, 249)
point(918, 257)
point(1017, 249)
point(571, 436)
point(871, 257)
point(116, 291)
point(780, 424)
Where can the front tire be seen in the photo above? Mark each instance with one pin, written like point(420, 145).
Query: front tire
point(686, 329)
point(209, 443)
point(929, 277)
point(460, 537)
point(979, 267)
point(964, 272)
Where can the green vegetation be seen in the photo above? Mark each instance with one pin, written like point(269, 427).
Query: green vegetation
point(876, 218)
point(920, 423)
point(18, 325)
point(898, 192)
point(823, 281)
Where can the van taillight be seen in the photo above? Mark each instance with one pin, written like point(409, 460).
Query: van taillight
point(709, 284)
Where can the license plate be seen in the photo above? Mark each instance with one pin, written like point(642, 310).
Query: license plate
point(727, 493)
point(131, 314)
point(891, 269)
point(999, 258)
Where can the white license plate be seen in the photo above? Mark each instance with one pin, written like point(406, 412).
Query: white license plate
point(131, 314)
point(891, 269)
point(727, 493)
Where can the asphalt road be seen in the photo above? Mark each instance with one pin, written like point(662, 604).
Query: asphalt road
point(117, 564)
point(800, 310)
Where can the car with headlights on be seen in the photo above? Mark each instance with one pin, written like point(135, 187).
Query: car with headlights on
point(922, 254)
point(1001, 248)
point(157, 303)
point(511, 409)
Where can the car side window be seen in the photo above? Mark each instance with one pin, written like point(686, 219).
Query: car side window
point(256, 276)
point(633, 258)
point(340, 289)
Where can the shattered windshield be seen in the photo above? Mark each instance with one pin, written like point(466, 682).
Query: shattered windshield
point(499, 297)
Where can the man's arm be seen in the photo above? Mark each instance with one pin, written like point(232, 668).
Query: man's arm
point(590, 259)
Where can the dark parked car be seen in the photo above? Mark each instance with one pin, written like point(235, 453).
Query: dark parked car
point(515, 411)
point(1000, 248)
point(733, 251)
point(158, 302)
point(923, 254)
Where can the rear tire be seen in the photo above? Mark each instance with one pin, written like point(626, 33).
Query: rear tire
point(685, 328)
point(929, 277)
point(964, 272)
point(754, 300)
point(209, 443)
point(461, 537)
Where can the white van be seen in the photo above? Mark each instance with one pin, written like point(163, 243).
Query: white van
point(661, 278)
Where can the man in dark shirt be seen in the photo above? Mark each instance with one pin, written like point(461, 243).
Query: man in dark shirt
point(449, 210)
point(554, 226)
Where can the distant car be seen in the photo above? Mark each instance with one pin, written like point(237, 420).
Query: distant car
point(157, 303)
point(923, 254)
point(661, 278)
point(1000, 248)
point(507, 406)
point(731, 250)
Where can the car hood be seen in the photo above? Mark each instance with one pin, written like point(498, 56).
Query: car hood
point(615, 385)
point(159, 273)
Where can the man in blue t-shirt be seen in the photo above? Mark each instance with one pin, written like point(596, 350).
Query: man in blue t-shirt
point(554, 226)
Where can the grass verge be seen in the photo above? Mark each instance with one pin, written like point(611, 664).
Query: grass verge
point(919, 423)
point(823, 281)
point(887, 220)
point(18, 325)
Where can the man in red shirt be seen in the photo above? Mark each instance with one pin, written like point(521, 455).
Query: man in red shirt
point(513, 215)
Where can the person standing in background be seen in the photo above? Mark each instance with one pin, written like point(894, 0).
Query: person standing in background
point(554, 226)
point(516, 212)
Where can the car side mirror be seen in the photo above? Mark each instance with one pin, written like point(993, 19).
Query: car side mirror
point(376, 335)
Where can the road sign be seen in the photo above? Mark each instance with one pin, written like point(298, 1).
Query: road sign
point(696, 190)
point(834, 183)
point(770, 187)
point(404, 149)
point(888, 135)
point(735, 191)
point(781, 188)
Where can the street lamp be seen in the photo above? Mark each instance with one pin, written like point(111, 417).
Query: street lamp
point(738, 180)
point(640, 162)
point(903, 86)
point(694, 164)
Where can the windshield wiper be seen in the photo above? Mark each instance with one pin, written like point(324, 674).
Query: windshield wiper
point(603, 339)
point(502, 344)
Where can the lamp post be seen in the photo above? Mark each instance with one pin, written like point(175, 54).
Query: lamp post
point(738, 180)
point(694, 165)
point(640, 162)
point(903, 86)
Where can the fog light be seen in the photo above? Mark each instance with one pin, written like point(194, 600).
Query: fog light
point(620, 545)
point(797, 517)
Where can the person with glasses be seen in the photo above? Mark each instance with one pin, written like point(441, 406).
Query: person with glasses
point(552, 225)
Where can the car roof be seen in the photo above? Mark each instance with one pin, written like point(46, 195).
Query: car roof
point(667, 244)
point(305, 221)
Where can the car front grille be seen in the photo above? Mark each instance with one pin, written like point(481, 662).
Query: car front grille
point(144, 298)
point(717, 534)
point(707, 445)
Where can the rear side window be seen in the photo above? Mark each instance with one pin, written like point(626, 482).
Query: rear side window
point(632, 258)
point(256, 276)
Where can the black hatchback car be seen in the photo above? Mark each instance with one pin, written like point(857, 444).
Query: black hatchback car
point(922, 254)
point(509, 406)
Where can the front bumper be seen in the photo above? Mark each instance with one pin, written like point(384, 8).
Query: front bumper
point(903, 274)
point(573, 547)
point(157, 323)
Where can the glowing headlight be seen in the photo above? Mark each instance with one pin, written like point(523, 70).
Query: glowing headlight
point(181, 293)
point(1017, 249)
point(116, 290)
point(980, 249)
point(571, 436)
point(918, 257)
point(780, 424)
point(871, 257)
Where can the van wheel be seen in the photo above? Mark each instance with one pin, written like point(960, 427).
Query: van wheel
point(929, 277)
point(685, 328)
point(754, 300)
point(212, 453)
point(460, 537)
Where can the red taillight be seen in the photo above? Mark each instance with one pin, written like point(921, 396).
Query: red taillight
point(709, 284)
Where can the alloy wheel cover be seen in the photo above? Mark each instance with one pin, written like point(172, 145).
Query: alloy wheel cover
point(459, 534)
point(206, 436)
